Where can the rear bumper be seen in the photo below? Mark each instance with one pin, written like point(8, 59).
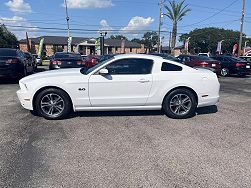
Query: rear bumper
point(25, 99)
point(210, 101)
point(10, 71)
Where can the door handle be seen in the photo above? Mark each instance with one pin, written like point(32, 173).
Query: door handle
point(144, 81)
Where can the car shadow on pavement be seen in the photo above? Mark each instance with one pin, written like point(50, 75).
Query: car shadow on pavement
point(199, 111)
point(4, 81)
point(117, 113)
point(207, 110)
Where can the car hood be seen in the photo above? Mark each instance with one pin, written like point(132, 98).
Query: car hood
point(52, 74)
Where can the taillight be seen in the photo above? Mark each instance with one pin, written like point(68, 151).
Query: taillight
point(204, 64)
point(80, 62)
point(56, 62)
point(239, 65)
point(11, 61)
point(94, 61)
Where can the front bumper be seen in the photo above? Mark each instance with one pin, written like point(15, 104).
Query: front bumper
point(25, 99)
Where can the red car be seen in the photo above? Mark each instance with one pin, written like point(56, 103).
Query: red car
point(91, 60)
point(200, 61)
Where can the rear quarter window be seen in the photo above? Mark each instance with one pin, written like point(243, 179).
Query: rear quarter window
point(8, 52)
point(170, 67)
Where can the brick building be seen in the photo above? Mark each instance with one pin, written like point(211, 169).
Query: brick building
point(82, 45)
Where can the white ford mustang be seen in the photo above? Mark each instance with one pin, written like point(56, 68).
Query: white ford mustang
point(124, 82)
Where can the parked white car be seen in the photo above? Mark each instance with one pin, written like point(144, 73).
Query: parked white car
point(125, 82)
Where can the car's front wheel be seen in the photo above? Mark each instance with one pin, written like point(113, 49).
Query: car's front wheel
point(53, 103)
point(180, 104)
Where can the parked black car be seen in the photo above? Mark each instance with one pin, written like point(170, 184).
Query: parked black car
point(166, 56)
point(233, 65)
point(66, 60)
point(13, 63)
point(246, 58)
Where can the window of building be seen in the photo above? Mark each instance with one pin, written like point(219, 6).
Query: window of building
point(130, 66)
point(170, 67)
point(130, 49)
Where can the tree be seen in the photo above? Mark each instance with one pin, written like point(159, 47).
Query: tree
point(150, 39)
point(7, 39)
point(206, 39)
point(120, 37)
point(176, 12)
point(136, 40)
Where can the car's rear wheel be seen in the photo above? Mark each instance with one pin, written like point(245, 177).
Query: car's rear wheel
point(180, 104)
point(53, 104)
point(224, 72)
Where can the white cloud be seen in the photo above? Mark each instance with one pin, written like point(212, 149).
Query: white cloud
point(20, 23)
point(136, 24)
point(81, 4)
point(104, 26)
point(18, 6)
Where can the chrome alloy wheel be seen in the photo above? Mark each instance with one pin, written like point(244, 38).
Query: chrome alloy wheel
point(224, 72)
point(52, 104)
point(180, 104)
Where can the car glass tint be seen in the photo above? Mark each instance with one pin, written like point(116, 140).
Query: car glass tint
point(87, 71)
point(66, 55)
point(170, 67)
point(203, 58)
point(131, 66)
point(8, 52)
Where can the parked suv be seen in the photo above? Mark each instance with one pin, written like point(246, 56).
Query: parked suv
point(13, 63)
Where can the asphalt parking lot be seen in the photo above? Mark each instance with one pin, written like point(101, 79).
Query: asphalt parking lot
point(128, 149)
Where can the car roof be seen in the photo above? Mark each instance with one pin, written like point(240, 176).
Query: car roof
point(137, 56)
point(9, 49)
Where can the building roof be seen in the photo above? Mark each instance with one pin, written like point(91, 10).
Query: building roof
point(56, 40)
point(117, 43)
point(61, 40)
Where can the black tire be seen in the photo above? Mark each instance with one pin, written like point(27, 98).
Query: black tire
point(224, 72)
point(49, 98)
point(175, 101)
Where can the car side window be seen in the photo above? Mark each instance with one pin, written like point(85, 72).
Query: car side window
point(130, 66)
point(170, 67)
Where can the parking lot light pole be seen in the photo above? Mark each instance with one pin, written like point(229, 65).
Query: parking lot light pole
point(102, 42)
point(68, 28)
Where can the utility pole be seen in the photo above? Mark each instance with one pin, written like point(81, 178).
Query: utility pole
point(68, 27)
point(241, 30)
point(160, 23)
point(102, 42)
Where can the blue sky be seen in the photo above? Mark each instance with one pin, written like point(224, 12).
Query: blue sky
point(119, 15)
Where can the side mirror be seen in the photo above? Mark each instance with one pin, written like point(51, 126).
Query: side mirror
point(103, 72)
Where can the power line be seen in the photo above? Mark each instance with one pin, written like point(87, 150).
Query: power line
point(215, 14)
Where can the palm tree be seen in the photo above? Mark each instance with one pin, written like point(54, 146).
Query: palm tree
point(176, 11)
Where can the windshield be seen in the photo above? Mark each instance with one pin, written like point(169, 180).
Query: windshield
point(8, 52)
point(203, 58)
point(67, 55)
point(87, 71)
